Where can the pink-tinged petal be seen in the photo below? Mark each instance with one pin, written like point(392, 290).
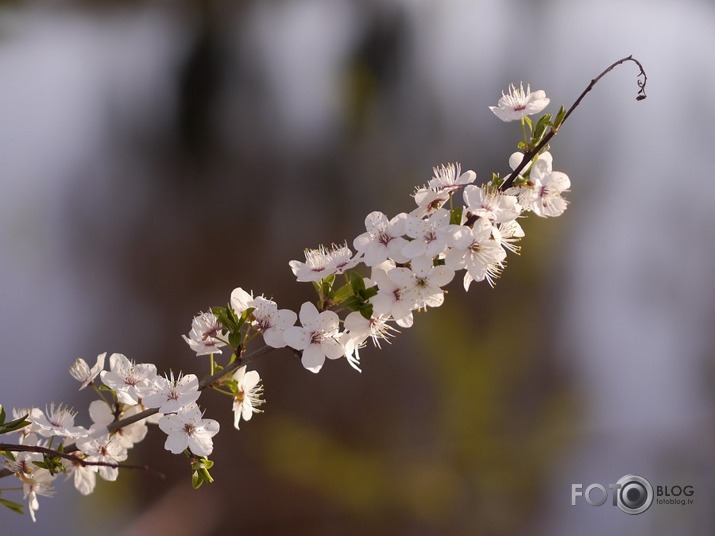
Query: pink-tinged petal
point(109, 473)
point(332, 349)
point(394, 249)
point(308, 314)
point(275, 338)
point(297, 337)
point(285, 318)
point(313, 358)
point(188, 382)
point(250, 380)
point(413, 249)
point(211, 426)
point(454, 259)
point(434, 300)
point(401, 277)
point(441, 276)
point(100, 413)
point(200, 444)
point(170, 424)
point(557, 182)
point(119, 364)
point(375, 221)
point(329, 322)
point(85, 480)
point(176, 442)
point(240, 300)
point(472, 196)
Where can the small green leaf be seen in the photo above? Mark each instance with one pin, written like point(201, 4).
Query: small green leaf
point(369, 292)
point(560, 116)
point(497, 181)
point(234, 339)
point(200, 467)
point(540, 130)
point(196, 480)
point(342, 294)
point(226, 317)
point(244, 317)
point(2, 414)
point(357, 282)
point(366, 311)
point(15, 507)
point(14, 425)
point(527, 120)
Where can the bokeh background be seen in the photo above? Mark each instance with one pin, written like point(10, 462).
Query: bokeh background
point(155, 155)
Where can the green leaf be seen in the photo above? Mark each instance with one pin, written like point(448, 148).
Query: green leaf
point(244, 317)
point(234, 339)
point(497, 181)
point(540, 130)
point(15, 507)
point(2, 414)
point(327, 286)
point(201, 473)
point(369, 292)
point(231, 385)
point(357, 282)
point(366, 311)
point(342, 294)
point(226, 317)
point(14, 425)
point(560, 116)
point(527, 120)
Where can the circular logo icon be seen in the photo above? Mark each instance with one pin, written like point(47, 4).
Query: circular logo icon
point(634, 495)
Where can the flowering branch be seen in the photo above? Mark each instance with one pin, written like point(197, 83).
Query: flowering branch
point(641, 80)
point(411, 258)
point(9, 447)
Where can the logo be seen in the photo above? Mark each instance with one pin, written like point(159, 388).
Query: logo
point(633, 494)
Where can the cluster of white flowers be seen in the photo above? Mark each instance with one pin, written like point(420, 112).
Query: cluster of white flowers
point(411, 258)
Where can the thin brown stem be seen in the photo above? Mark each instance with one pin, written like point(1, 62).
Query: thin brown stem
point(640, 80)
point(73, 458)
point(116, 425)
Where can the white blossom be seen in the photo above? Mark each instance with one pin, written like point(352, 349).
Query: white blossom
point(81, 372)
point(316, 338)
point(450, 177)
point(429, 235)
point(475, 249)
point(391, 299)
point(104, 449)
point(270, 321)
point(322, 262)
point(517, 103)
point(542, 193)
point(207, 335)
point(248, 399)
point(57, 421)
point(102, 416)
point(497, 207)
point(422, 282)
point(358, 329)
point(382, 239)
point(186, 429)
point(130, 381)
point(172, 394)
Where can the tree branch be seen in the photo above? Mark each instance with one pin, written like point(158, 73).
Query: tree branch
point(640, 80)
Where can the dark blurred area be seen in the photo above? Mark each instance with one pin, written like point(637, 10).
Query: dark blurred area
point(157, 155)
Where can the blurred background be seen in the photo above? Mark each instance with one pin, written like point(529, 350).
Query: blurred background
point(155, 155)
